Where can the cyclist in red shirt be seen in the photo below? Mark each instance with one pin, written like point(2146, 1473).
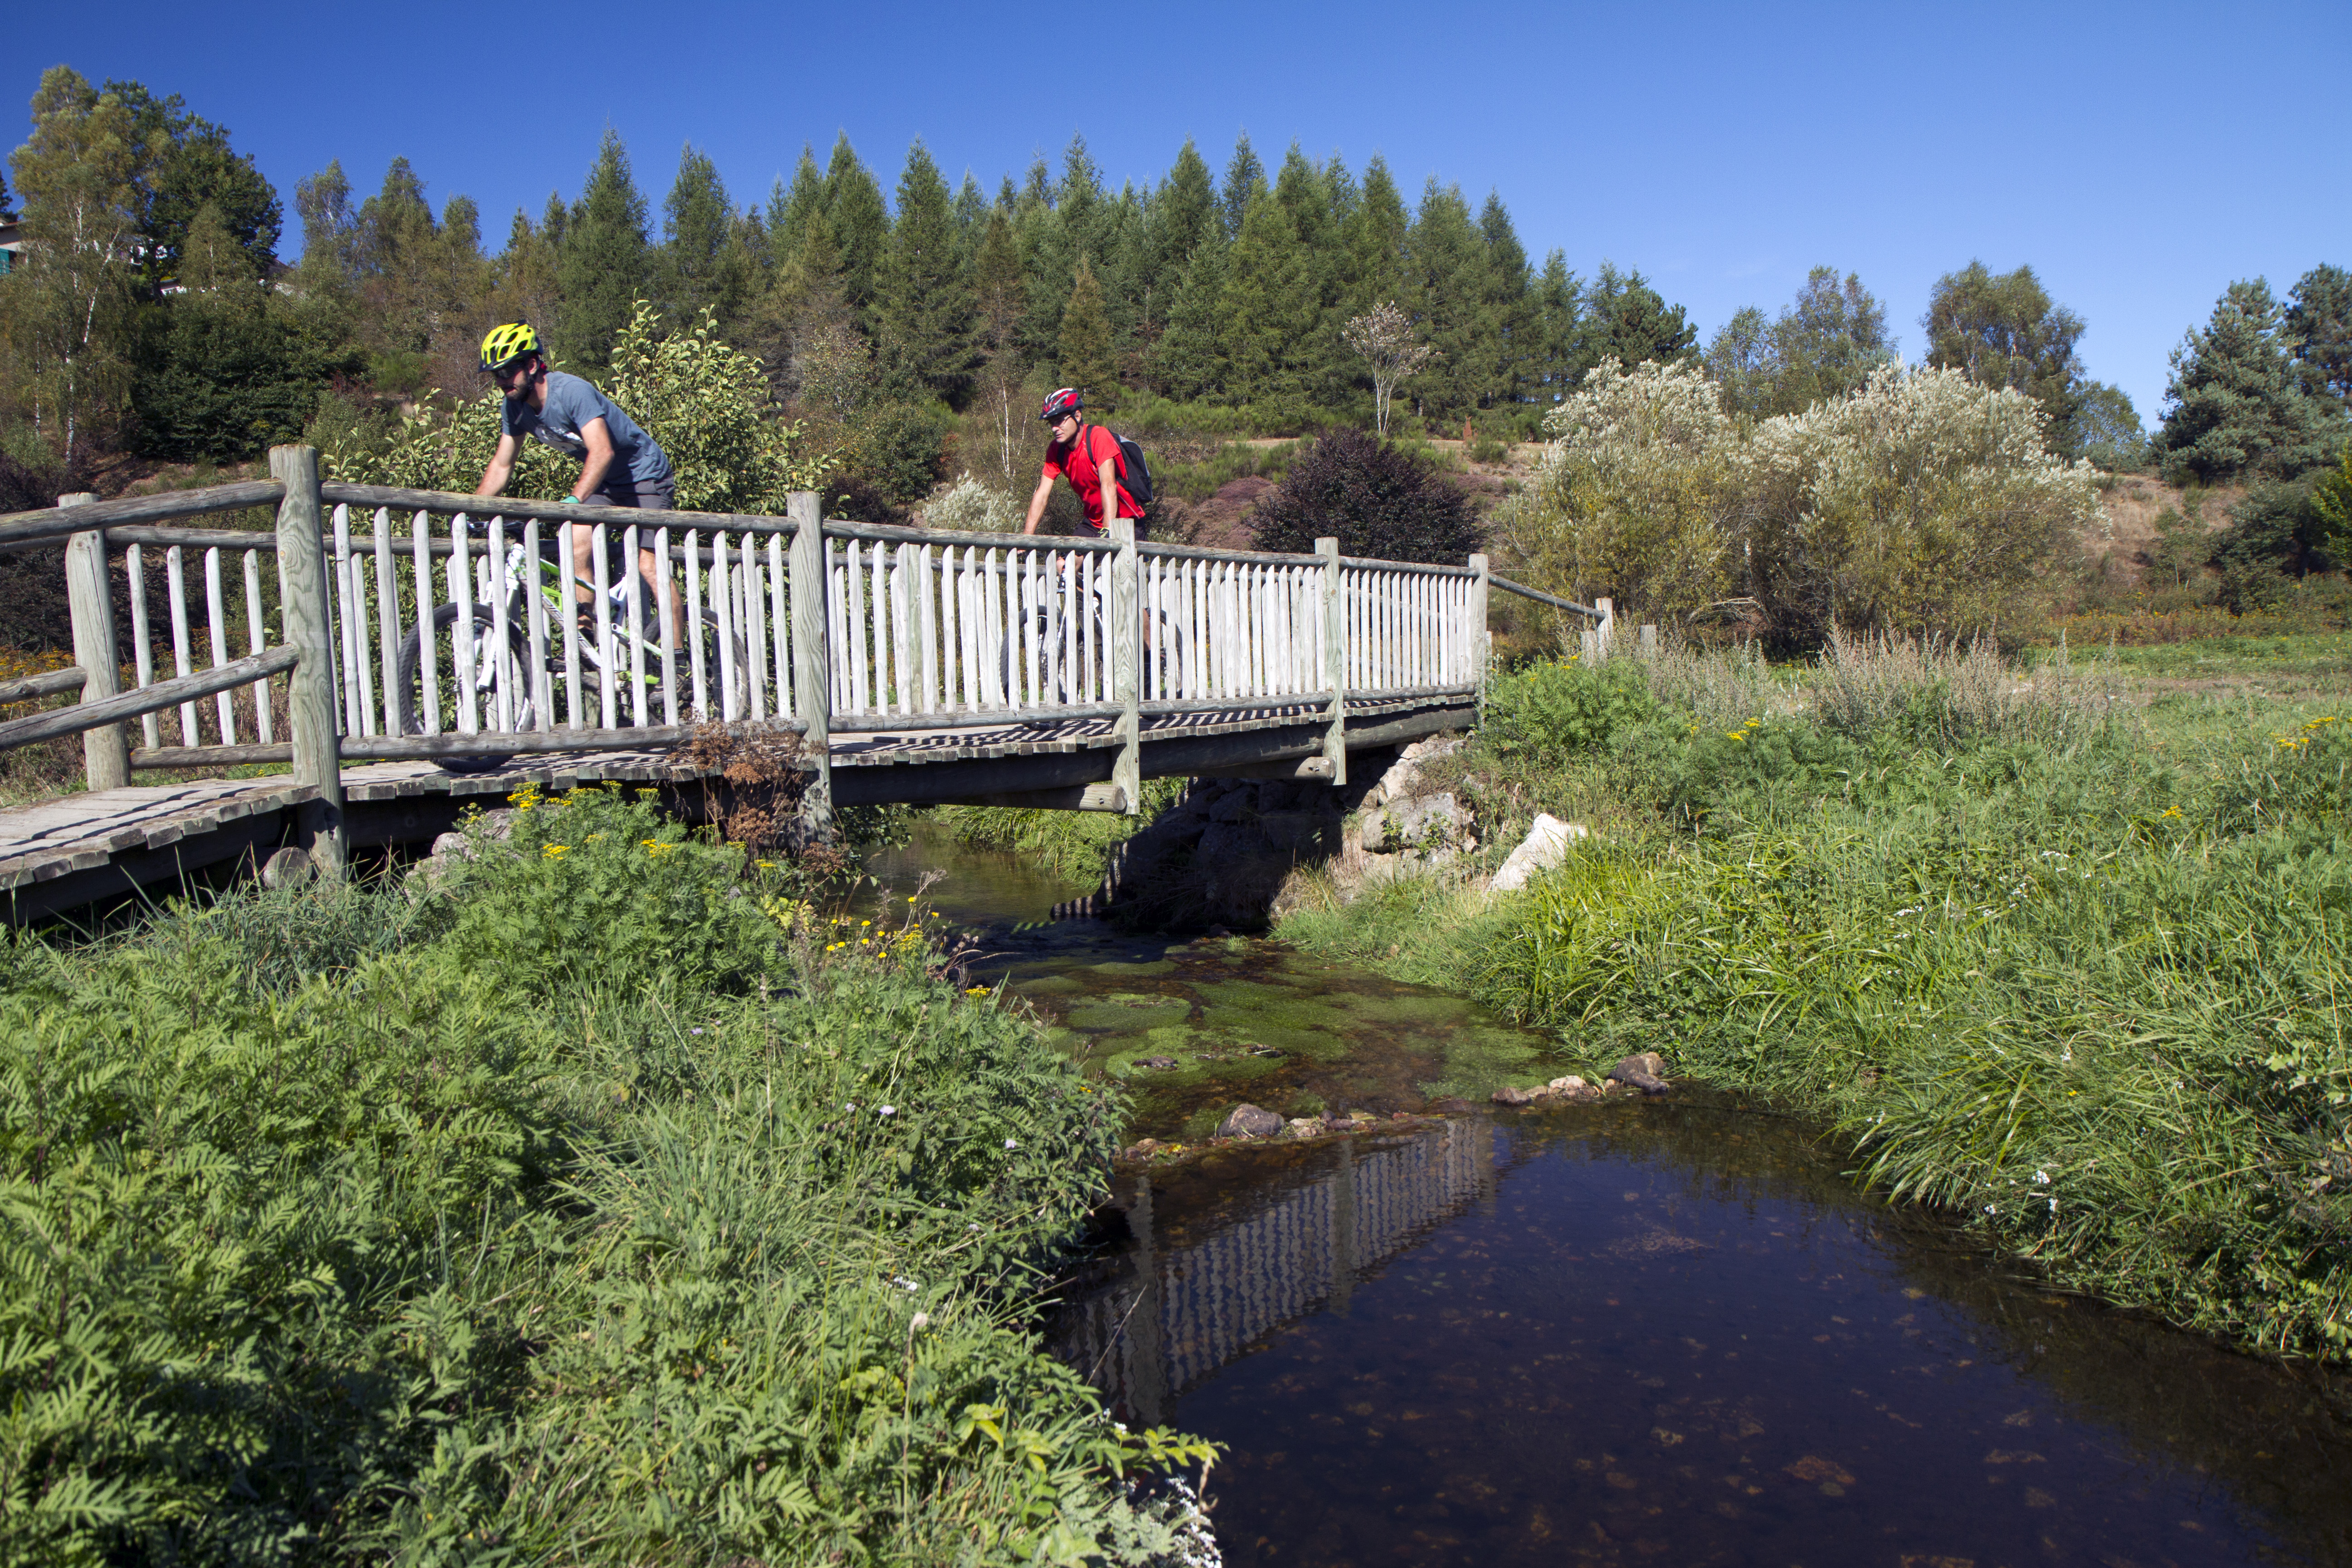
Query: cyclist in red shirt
point(1080, 452)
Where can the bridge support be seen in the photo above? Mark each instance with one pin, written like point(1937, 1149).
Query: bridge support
point(1335, 658)
point(319, 825)
point(105, 752)
point(1482, 644)
point(1127, 663)
point(812, 660)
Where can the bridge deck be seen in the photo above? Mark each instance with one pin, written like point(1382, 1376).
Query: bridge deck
point(78, 848)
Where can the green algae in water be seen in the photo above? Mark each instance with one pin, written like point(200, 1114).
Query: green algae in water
point(1326, 1036)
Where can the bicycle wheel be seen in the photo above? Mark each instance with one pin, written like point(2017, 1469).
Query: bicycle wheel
point(501, 677)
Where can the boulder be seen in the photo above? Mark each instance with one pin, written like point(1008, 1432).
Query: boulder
point(289, 867)
point(1303, 1127)
point(1646, 1071)
point(1419, 822)
point(1401, 782)
point(1507, 1095)
point(1545, 846)
point(1249, 1121)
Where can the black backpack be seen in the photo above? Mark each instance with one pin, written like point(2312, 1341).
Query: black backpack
point(1135, 473)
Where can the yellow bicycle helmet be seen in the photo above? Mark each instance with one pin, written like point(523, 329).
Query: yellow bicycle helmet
point(507, 343)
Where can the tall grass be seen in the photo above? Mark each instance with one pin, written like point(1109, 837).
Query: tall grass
point(517, 1237)
point(2028, 959)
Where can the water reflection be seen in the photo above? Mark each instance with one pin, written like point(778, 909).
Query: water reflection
point(1194, 1292)
point(1670, 1333)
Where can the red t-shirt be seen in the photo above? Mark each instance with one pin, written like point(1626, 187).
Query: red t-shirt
point(1081, 461)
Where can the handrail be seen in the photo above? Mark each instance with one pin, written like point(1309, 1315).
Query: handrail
point(336, 494)
point(51, 522)
point(1376, 563)
point(49, 683)
point(145, 700)
point(1557, 603)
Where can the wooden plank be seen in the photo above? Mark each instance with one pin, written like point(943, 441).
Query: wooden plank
point(33, 527)
point(49, 684)
point(59, 722)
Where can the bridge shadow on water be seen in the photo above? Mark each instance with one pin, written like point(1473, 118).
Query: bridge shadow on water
point(1667, 1333)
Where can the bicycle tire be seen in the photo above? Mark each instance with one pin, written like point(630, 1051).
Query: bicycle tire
point(514, 670)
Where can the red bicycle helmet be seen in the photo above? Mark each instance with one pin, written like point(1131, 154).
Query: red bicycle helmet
point(1065, 400)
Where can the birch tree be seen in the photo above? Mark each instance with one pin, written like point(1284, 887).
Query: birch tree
point(1384, 336)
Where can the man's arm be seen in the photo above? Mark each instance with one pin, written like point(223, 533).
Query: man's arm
point(500, 469)
point(598, 439)
point(1037, 502)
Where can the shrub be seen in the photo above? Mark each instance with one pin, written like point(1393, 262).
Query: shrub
point(1375, 500)
point(1545, 713)
point(1639, 495)
point(899, 450)
point(538, 1241)
point(968, 506)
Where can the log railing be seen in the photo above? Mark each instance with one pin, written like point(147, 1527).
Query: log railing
point(403, 623)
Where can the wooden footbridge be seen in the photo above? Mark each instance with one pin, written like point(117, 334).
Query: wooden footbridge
point(411, 652)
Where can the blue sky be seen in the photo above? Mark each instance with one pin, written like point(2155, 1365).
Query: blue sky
point(2139, 157)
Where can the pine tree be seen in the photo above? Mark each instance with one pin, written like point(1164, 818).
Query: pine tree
point(703, 263)
point(1629, 321)
point(1445, 291)
point(2236, 404)
point(1509, 307)
point(602, 265)
point(859, 226)
point(924, 303)
point(1244, 176)
point(1084, 359)
point(1270, 311)
point(1189, 361)
point(2319, 324)
point(1559, 318)
point(1377, 231)
point(791, 212)
point(525, 287)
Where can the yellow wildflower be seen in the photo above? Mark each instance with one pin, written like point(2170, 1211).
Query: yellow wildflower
point(553, 850)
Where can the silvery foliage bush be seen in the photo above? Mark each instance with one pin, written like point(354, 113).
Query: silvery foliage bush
point(1639, 493)
point(968, 506)
point(1922, 501)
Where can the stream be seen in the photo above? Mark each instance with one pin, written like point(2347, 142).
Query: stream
point(1658, 1331)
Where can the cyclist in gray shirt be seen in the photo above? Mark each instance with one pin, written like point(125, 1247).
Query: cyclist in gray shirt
point(620, 465)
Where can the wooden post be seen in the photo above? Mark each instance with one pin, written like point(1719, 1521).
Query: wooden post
point(1335, 660)
point(1482, 646)
point(1126, 662)
point(812, 658)
point(303, 626)
point(105, 752)
point(1607, 630)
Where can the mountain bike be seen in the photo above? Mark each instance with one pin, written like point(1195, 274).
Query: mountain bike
point(504, 682)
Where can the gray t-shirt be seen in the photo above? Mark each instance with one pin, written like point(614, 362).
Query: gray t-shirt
point(572, 403)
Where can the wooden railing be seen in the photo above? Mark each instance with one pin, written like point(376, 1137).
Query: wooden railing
point(414, 624)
